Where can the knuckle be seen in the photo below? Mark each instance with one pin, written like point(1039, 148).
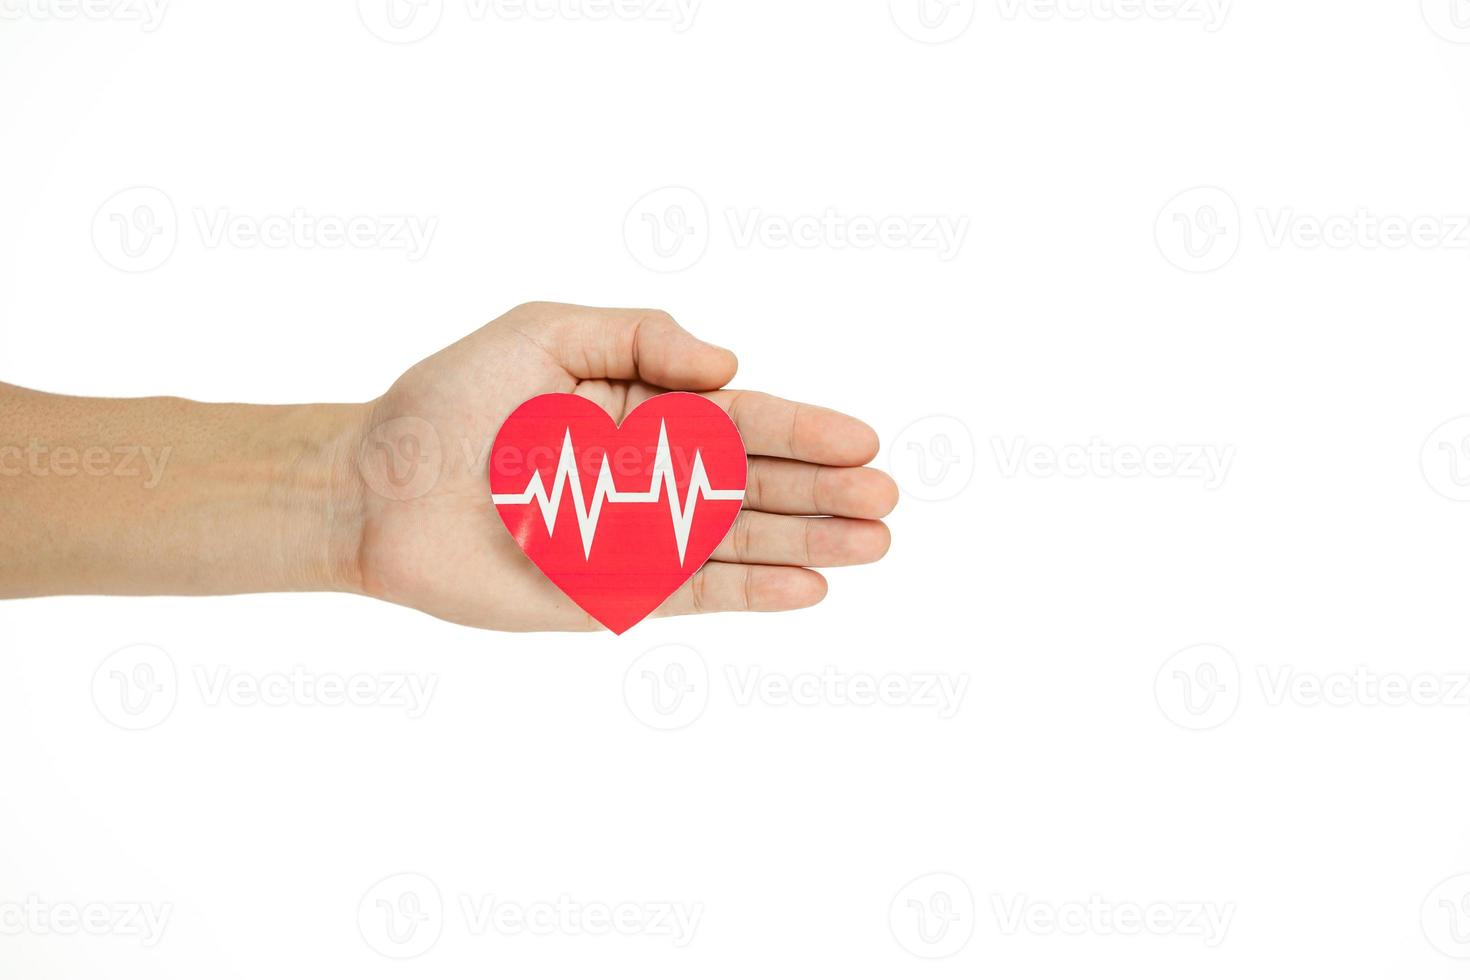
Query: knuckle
point(532, 308)
point(741, 538)
point(755, 485)
point(737, 406)
point(652, 316)
point(696, 591)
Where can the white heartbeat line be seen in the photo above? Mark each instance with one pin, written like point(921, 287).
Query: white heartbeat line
point(661, 482)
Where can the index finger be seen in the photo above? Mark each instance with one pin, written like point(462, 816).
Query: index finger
point(772, 426)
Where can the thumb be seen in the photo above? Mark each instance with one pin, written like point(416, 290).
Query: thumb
point(628, 345)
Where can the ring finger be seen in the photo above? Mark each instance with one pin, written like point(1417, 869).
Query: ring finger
point(813, 542)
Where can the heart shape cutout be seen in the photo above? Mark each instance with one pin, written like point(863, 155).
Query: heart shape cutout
point(618, 517)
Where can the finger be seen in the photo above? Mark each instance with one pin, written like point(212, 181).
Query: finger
point(610, 396)
point(816, 542)
point(589, 342)
point(784, 486)
point(773, 426)
point(719, 587)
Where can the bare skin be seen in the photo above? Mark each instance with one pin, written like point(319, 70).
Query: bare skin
point(160, 496)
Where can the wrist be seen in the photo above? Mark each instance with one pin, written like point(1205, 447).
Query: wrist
point(328, 498)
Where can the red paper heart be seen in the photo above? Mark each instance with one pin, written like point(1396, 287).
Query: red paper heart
point(590, 502)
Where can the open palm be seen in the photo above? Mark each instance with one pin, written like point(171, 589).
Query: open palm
point(432, 540)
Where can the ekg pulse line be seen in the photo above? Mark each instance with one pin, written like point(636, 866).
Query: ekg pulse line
point(604, 492)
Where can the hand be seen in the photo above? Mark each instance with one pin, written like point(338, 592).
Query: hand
point(391, 498)
point(441, 547)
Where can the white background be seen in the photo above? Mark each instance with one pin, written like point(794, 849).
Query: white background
point(1086, 762)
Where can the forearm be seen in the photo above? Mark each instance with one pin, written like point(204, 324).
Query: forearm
point(169, 497)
